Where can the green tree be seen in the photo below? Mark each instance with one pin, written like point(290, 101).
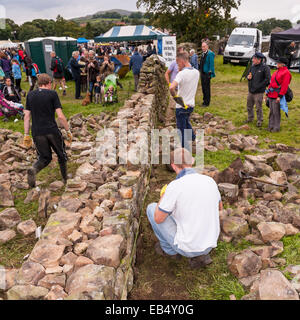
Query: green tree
point(11, 30)
point(136, 15)
point(67, 28)
point(266, 26)
point(88, 31)
point(29, 31)
point(191, 20)
point(48, 26)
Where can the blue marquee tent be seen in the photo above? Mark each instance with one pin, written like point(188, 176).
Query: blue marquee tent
point(82, 40)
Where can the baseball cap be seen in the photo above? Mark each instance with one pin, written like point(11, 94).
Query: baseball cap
point(259, 55)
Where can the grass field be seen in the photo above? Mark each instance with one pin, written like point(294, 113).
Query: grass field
point(159, 277)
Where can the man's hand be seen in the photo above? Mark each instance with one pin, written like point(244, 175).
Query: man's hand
point(249, 76)
point(27, 141)
point(278, 100)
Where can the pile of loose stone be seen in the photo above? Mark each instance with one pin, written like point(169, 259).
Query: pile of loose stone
point(259, 213)
point(87, 248)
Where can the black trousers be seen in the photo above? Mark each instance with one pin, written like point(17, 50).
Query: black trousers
point(77, 87)
point(205, 83)
point(44, 146)
point(18, 85)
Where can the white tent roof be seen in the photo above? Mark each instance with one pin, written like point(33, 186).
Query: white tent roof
point(128, 33)
point(7, 44)
point(52, 38)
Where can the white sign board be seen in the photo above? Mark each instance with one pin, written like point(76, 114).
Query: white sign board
point(48, 48)
point(169, 49)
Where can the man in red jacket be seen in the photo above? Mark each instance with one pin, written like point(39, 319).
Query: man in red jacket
point(278, 88)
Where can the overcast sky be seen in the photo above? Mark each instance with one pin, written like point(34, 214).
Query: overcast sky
point(26, 10)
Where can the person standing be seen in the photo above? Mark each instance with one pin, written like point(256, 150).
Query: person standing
point(259, 77)
point(92, 70)
point(135, 64)
point(186, 220)
point(289, 53)
point(41, 106)
point(76, 72)
point(186, 81)
point(57, 67)
point(194, 59)
point(5, 65)
point(207, 70)
point(276, 93)
point(17, 74)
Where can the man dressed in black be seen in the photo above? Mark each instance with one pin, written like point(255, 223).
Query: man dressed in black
point(41, 106)
point(259, 78)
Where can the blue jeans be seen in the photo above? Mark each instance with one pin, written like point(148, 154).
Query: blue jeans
point(184, 124)
point(165, 233)
point(91, 87)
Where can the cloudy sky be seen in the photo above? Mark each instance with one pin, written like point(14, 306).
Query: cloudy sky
point(26, 10)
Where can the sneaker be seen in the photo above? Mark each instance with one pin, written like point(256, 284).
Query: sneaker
point(31, 177)
point(205, 105)
point(248, 121)
point(160, 252)
point(200, 262)
point(259, 124)
point(64, 93)
point(80, 98)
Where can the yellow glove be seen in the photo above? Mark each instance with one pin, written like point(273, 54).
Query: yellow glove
point(163, 190)
point(170, 84)
point(27, 141)
point(70, 137)
point(180, 101)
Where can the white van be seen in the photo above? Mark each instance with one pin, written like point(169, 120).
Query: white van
point(242, 45)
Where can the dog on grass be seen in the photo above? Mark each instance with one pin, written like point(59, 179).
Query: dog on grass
point(87, 100)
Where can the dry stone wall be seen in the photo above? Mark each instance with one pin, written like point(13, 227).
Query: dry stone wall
point(87, 249)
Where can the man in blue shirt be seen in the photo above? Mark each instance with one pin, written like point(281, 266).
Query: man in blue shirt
point(207, 70)
point(136, 62)
point(194, 59)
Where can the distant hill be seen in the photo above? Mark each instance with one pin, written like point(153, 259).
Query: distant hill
point(92, 17)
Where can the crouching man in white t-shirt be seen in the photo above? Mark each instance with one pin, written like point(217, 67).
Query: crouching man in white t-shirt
point(186, 219)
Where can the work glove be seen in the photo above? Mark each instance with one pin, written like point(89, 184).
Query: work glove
point(180, 101)
point(27, 141)
point(163, 190)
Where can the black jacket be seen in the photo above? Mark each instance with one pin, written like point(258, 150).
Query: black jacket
point(76, 68)
point(261, 78)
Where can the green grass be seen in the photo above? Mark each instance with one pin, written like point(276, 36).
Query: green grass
point(229, 97)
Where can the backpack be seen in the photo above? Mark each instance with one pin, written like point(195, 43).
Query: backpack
point(59, 65)
point(289, 96)
point(35, 68)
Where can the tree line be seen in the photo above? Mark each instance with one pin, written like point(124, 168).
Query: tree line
point(61, 27)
